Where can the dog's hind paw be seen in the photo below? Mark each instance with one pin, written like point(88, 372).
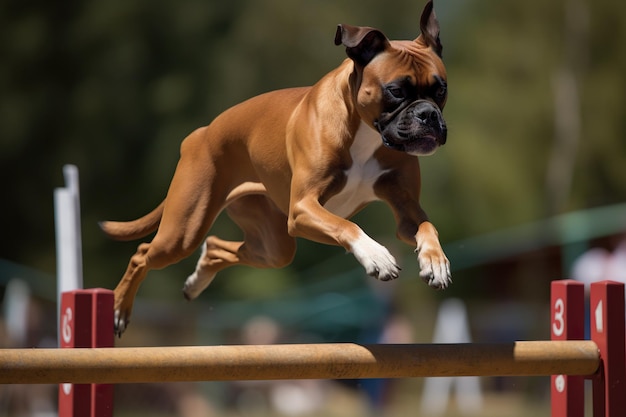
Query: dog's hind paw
point(120, 323)
point(195, 284)
point(375, 258)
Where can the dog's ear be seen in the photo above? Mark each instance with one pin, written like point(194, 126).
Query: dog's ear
point(429, 26)
point(362, 43)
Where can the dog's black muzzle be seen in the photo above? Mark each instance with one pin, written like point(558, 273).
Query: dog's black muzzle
point(418, 128)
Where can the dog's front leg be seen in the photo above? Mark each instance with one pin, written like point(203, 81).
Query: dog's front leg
point(413, 225)
point(434, 265)
point(308, 219)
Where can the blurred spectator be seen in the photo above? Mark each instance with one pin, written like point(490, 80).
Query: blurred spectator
point(599, 264)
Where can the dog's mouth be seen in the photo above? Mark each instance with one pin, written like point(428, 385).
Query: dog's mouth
point(424, 146)
point(419, 129)
point(421, 146)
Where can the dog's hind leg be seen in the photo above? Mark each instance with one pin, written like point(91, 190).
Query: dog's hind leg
point(266, 243)
point(216, 255)
point(193, 201)
point(125, 291)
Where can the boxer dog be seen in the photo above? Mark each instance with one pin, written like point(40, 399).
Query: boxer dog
point(299, 162)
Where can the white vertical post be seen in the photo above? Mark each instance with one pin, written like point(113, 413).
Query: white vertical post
point(68, 235)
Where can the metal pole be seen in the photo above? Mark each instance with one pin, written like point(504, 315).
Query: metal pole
point(317, 361)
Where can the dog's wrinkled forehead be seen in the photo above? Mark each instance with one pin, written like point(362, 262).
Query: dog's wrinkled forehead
point(414, 61)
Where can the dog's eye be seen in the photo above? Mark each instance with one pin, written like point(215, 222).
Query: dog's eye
point(396, 91)
point(439, 89)
point(440, 94)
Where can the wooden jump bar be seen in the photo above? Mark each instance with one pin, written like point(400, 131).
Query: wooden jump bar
point(313, 361)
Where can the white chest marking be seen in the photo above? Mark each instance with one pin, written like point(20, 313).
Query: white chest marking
point(361, 176)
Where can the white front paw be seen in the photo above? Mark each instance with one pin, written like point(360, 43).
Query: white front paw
point(375, 258)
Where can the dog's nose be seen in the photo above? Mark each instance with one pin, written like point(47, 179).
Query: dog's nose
point(428, 115)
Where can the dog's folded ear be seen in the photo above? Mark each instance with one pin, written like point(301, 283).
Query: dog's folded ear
point(362, 43)
point(429, 27)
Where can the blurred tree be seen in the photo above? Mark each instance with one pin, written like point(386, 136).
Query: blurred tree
point(113, 86)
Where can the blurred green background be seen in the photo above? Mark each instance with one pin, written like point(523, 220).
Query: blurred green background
point(532, 174)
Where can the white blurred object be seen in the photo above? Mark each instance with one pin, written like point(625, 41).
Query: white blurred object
point(296, 398)
point(452, 326)
point(598, 264)
point(16, 302)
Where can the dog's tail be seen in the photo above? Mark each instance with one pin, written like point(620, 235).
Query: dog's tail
point(134, 229)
